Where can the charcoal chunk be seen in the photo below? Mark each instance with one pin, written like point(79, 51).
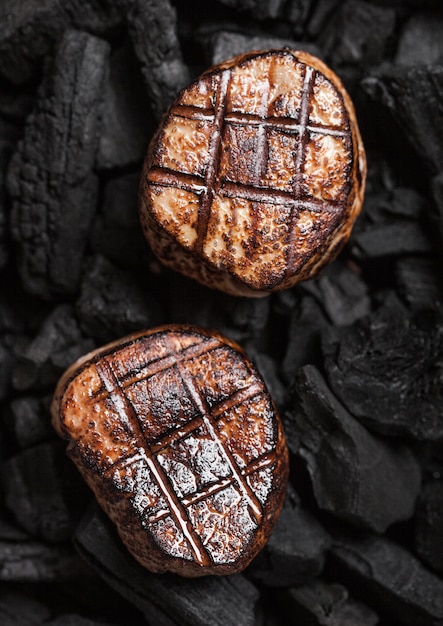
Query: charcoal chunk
point(437, 194)
point(29, 29)
point(296, 11)
point(386, 369)
point(117, 234)
point(305, 328)
point(51, 178)
point(393, 579)
point(212, 600)
point(241, 319)
point(419, 282)
point(28, 420)
point(413, 96)
point(153, 30)
point(295, 551)
point(72, 619)
point(58, 344)
point(114, 303)
point(401, 237)
point(126, 126)
point(19, 609)
point(34, 561)
point(429, 526)
point(322, 604)
point(420, 40)
point(37, 488)
point(349, 44)
point(226, 44)
point(341, 292)
point(355, 475)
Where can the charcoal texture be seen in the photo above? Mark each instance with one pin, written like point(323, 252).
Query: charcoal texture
point(296, 550)
point(117, 234)
point(413, 97)
point(28, 420)
point(198, 602)
point(322, 604)
point(386, 370)
point(354, 475)
point(58, 343)
point(419, 281)
point(420, 39)
point(226, 44)
point(51, 178)
point(114, 303)
point(18, 609)
point(126, 123)
point(37, 489)
point(30, 29)
point(37, 562)
point(429, 526)
point(152, 28)
point(395, 581)
point(295, 10)
point(401, 237)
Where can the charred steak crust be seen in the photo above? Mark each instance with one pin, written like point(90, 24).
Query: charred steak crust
point(255, 175)
point(175, 433)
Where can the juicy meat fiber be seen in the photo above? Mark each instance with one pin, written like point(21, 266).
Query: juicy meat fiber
point(255, 175)
point(175, 433)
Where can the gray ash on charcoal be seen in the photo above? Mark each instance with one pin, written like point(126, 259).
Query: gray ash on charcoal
point(353, 358)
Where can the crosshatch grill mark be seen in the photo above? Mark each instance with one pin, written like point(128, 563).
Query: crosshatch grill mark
point(147, 451)
point(208, 186)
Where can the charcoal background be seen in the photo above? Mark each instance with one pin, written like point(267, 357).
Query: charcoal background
point(353, 358)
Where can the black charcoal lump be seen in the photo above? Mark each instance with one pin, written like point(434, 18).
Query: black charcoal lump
point(321, 604)
point(390, 577)
point(152, 27)
point(355, 475)
point(420, 40)
point(215, 600)
point(296, 550)
point(413, 96)
point(36, 490)
point(386, 369)
point(19, 609)
point(27, 418)
point(58, 343)
point(51, 178)
point(114, 302)
point(429, 525)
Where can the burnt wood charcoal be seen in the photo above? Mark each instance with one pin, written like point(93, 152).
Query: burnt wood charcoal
point(226, 44)
point(295, 551)
point(418, 281)
point(269, 369)
point(382, 240)
point(349, 45)
point(9, 529)
point(341, 292)
point(29, 29)
point(51, 178)
point(296, 11)
point(241, 319)
point(37, 562)
point(117, 234)
point(58, 343)
point(113, 302)
point(72, 619)
point(19, 609)
point(152, 27)
point(37, 490)
point(321, 604)
point(199, 602)
point(126, 127)
point(7, 360)
point(386, 370)
point(437, 194)
point(421, 39)
point(429, 526)
point(305, 328)
point(413, 96)
point(392, 579)
point(28, 420)
point(355, 475)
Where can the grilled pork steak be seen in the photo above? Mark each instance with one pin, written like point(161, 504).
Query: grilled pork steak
point(174, 431)
point(255, 175)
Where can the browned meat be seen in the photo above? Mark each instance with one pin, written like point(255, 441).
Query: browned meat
point(256, 174)
point(175, 432)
